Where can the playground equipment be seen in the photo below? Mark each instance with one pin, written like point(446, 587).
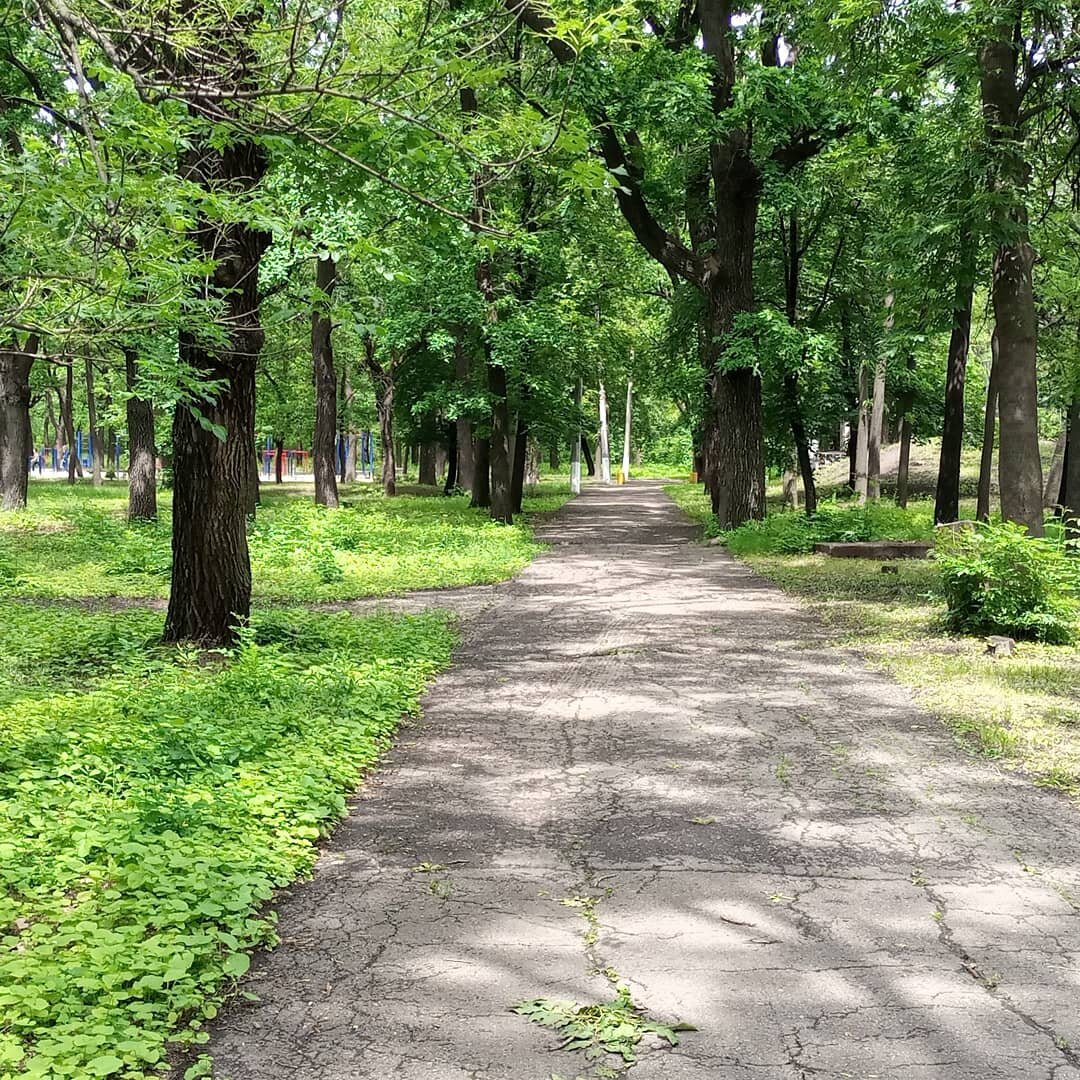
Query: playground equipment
point(297, 462)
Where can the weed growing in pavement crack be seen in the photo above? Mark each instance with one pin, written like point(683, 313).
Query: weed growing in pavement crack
point(783, 771)
point(613, 1027)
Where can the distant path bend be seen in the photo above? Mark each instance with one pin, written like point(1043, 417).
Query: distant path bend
point(858, 898)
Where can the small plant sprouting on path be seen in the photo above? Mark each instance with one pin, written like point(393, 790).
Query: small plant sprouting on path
point(611, 1027)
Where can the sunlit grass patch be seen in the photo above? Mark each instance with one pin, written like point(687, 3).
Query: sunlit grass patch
point(151, 801)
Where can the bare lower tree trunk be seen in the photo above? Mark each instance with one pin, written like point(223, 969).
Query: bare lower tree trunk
point(95, 432)
point(982, 512)
point(142, 454)
point(347, 395)
point(605, 447)
point(1052, 491)
point(15, 434)
point(626, 429)
point(279, 460)
point(904, 468)
point(215, 475)
point(481, 489)
point(575, 446)
point(947, 495)
point(873, 452)
point(590, 464)
point(426, 473)
point(66, 413)
point(502, 505)
point(1070, 476)
point(862, 438)
point(324, 444)
point(1020, 478)
point(451, 459)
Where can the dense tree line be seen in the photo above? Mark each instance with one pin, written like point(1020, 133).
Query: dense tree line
point(783, 223)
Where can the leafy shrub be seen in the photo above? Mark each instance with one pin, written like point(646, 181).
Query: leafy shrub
point(998, 580)
point(151, 802)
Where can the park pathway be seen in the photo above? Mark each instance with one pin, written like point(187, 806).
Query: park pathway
point(857, 897)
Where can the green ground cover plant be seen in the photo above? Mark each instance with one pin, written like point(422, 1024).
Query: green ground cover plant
point(76, 542)
point(1023, 710)
point(151, 801)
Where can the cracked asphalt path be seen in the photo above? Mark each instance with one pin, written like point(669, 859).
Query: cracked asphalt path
point(868, 901)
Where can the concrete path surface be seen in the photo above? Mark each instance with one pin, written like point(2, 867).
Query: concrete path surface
point(858, 897)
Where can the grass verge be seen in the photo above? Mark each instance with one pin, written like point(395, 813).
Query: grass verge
point(75, 542)
point(1023, 710)
point(151, 801)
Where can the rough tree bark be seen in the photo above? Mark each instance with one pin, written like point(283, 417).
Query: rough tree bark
point(426, 469)
point(324, 443)
point(1019, 466)
point(142, 460)
point(947, 497)
point(15, 433)
point(215, 476)
point(481, 488)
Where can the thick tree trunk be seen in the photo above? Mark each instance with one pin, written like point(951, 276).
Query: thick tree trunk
point(15, 434)
point(605, 443)
point(142, 454)
point(481, 487)
point(502, 505)
point(426, 473)
point(324, 444)
point(96, 455)
point(1019, 466)
point(986, 461)
point(214, 470)
point(947, 497)
point(739, 492)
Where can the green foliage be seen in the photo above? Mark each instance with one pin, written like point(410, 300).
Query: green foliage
point(998, 580)
point(612, 1027)
point(792, 533)
point(77, 542)
point(152, 800)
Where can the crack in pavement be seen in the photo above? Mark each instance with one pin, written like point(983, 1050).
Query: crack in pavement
point(627, 683)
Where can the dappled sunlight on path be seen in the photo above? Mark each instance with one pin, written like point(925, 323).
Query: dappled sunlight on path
point(785, 851)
